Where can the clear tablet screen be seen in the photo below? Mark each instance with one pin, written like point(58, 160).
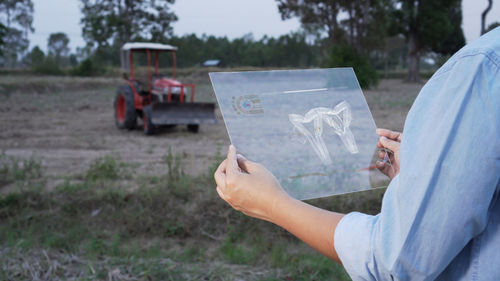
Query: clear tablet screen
point(311, 128)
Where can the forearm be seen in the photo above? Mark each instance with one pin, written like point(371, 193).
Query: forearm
point(314, 226)
point(253, 190)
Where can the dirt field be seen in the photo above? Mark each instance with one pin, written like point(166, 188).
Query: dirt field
point(66, 124)
point(68, 129)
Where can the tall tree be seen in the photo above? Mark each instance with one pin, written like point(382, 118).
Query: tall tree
point(483, 16)
point(367, 23)
point(96, 19)
point(17, 17)
point(57, 45)
point(362, 24)
point(117, 21)
point(15, 46)
point(429, 25)
point(493, 26)
point(36, 56)
point(321, 13)
point(3, 32)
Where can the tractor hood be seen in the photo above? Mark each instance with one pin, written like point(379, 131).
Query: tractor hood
point(162, 83)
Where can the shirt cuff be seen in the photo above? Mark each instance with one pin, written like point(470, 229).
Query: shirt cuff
point(352, 241)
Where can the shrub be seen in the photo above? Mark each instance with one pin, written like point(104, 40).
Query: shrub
point(13, 169)
point(104, 168)
point(85, 68)
point(342, 55)
point(48, 66)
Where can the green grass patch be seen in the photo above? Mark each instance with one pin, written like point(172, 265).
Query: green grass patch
point(169, 221)
point(109, 167)
point(70, 186)
point(24, 172)
point(238, 253)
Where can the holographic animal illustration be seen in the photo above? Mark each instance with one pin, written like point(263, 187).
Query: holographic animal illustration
point(339, 118)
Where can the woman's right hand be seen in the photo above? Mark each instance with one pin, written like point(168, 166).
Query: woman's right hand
point(389, 140)
point(249, 187)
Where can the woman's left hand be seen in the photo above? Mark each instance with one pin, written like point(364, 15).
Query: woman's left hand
point(392, 141)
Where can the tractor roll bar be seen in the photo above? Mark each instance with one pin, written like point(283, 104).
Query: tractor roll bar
point(129, 48)
point(150, 77)
point(128, 64)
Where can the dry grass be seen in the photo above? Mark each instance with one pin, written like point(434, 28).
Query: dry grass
point(40, 264)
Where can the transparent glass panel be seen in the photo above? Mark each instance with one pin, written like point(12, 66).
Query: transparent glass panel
point(311, 128)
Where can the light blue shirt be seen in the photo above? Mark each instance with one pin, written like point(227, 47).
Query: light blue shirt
point(440, 217)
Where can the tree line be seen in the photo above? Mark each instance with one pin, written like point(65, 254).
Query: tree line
point(366, 34)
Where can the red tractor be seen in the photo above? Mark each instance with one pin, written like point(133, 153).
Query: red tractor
point(161, 100)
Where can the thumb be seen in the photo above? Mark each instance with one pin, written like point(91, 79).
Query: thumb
point(389, 134)
point(245, 164)
point(389, 144)
point(232, 162)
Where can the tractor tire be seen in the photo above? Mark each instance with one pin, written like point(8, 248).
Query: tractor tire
point(193, 128)
point(149, 127)
point(125, 114)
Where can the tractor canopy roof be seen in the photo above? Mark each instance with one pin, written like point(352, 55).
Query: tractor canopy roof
point(142, 46)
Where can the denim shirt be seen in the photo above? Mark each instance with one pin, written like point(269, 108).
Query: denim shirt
point(440, 217)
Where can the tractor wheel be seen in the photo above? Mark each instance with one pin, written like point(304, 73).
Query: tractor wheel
point(193, 128)
point(125, 114)
point(149, 127)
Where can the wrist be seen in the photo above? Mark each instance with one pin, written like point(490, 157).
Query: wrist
point(281, 206)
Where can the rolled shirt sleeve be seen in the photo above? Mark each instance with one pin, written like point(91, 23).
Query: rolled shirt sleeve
point(449, 176)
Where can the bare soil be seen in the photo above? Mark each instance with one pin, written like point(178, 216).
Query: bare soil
point(68, 122)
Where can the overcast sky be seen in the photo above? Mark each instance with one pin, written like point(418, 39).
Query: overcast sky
point(231, 18)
